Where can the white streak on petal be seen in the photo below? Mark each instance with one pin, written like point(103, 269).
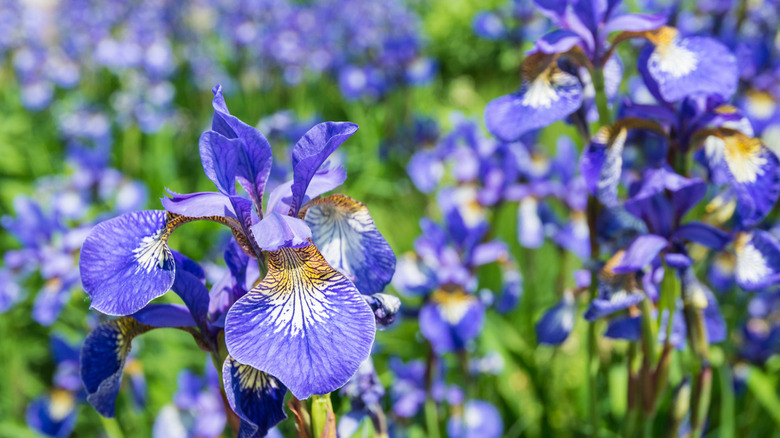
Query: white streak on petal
point(152, 251)
point(751, 264)
point(674, 59)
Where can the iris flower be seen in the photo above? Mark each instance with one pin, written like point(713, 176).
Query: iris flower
point(305, 326)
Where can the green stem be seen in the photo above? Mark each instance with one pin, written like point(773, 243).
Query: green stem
point(431, 418)
point(321, 408)
point(111, 427)
point(601, 96)
point(593, 363)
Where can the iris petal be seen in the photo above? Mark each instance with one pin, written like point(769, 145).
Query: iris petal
point(451, 320)
point(125, 262)
point(344, 232)
point(304, 323)
point(256, 397)
point(311, 151)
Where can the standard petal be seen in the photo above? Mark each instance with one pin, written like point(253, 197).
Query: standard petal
point(601, 164)
point(253, 152)
point(103, 358)
point(304, 323)
point(125, 262)
point(311, 151)
point(557, 41)
point(165, 315)
point(344, 232)
point(256, 397)
point(218, 156)
point(635, 22)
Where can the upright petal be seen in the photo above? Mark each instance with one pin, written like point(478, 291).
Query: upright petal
point(125, 262)
point(304, 323)
point(344, 232)
point(311, 151)
point(256, 397)
point(218, 156)
point(253, 152)
point(601, 164)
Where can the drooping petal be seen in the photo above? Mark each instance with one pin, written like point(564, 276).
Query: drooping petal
point(218, 156)
point(256, 397)
point(758, 259)
point(556, 324)
point(103, 358)
point(479, 419)
point(451, 319)
point(543, 98)
point(344, 232)
point(304, 323)
point(628, 328)
point(641, 252)
point(54, 414)
point(675, 67)
point(385, 308)
point(601, 164)
point(276, 230)
point(125, 262)
point(755, 173)
point(311, 151)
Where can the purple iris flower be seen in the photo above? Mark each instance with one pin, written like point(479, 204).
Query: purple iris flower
point(478, 419)
point(409, 389)
point(197, 409)
point(55, 413)
point(444, 272)
point(306, 322)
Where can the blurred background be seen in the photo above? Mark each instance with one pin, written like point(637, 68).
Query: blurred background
point(102, 105)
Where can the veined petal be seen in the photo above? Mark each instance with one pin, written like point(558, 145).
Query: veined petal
point(256, 397)
point(311, 151)
point(641, 252)
point(277, 230)
point(542, 99)
point(125, 262)
point(103, 358)
point(557, 323)
point(253, 152)
point(677, 67)
point(601, 164)
point(218, 156)
point(304, 323)
point(758, 259)
point(451, 319)
point(344, 232)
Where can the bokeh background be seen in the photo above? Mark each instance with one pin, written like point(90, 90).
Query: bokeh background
point(131, 81)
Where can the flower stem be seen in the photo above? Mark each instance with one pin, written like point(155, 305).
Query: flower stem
point(431, 418)
point(323, 420)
